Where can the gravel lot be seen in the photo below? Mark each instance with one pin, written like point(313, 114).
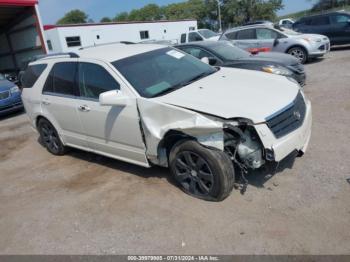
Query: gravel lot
point(82, 203)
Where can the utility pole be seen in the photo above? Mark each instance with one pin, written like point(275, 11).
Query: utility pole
point(219, 14)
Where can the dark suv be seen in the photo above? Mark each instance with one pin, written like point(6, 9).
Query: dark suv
point(335, 25)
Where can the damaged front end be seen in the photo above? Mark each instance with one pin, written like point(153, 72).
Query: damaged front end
point(243, 144)
point(163, 125)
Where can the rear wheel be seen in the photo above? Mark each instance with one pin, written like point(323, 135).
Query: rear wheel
point(49, 137)
point(299, 53)
point(201, 172)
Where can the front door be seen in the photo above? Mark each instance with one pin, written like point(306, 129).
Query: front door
point(111, 130)
point(266, 39)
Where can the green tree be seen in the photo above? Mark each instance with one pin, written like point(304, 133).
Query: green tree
point(73, 17)
point(236, 12)
point(149, 12)
point(105, 20)
point(121, 17)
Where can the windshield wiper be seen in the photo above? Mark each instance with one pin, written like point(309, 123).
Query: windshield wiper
point(166, 91)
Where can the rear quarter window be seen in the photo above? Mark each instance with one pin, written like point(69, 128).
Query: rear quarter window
point(231, 36)
point(32, 74)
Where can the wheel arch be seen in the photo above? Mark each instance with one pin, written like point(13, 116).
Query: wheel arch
point(297, 45)
point(169, 140)
point(53, 123)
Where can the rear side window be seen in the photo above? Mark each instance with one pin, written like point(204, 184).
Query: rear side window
point(94, 80)
point(231, 35)
point(320, 20)
point(32, 74)
point(246, 34)
point(62, 79)
point(304, 21)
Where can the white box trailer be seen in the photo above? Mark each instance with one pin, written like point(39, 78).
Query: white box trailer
point(21, 34)
point(67, 38)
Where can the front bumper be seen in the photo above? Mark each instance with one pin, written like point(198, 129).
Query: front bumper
point(11, 104)
point(319, 49)
point(300, 78)
point(297, 140)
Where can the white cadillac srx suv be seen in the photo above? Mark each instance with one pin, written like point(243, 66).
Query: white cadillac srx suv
point(155, 105)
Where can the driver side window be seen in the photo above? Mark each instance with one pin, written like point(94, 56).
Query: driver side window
point(94, 80)
point(194, 37)
point(265, 34)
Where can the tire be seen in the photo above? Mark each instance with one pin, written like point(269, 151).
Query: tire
point(50, 138)
point(201, 172)
point(299, 53)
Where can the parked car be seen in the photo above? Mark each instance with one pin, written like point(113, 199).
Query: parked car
point(286, 23)
point(199, 35)
point(10, 96)
point(259, 22)
point(335, 25)
point(154, 105)
point(264, 38)
point(224, 53)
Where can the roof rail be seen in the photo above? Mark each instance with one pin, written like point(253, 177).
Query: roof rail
point(38, 57)
point(70, 54)
point(111, 43)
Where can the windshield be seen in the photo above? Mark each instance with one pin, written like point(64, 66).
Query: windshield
point(228, 51)
point(2, 77)
point(161, 71)
point(206, 33)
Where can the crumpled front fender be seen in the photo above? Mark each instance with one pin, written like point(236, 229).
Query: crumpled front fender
point(157, 119)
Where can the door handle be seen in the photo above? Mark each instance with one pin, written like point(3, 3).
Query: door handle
point(84, 108)
point(46, 102)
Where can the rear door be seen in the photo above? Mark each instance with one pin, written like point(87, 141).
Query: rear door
point(110, 130)
point(59, 102)
point(321, 25)
point(246, 39)
point(341, 28)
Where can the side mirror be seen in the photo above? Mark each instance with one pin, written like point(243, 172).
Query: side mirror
point(276, 42)
point(209, 60)
point(205, 60)
point(114, 98)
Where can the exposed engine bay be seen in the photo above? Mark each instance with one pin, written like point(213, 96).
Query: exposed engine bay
point(243, 144)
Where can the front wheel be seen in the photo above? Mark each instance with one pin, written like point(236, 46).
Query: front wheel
point(299, 53)
point(201, 172)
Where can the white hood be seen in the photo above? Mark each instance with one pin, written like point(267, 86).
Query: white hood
point(214, 38)
point(232, 93)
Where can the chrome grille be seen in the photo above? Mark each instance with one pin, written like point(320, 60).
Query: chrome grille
point(290, 119)
point(4, 95)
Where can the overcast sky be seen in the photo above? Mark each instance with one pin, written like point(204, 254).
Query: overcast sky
point(52, 10)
